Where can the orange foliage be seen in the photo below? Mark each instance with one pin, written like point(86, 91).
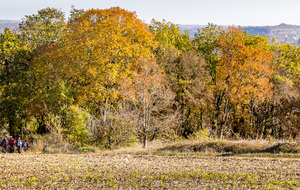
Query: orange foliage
point(243, 71)
point(150, 98)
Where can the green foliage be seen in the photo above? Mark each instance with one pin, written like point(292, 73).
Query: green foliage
point(206, 42)
point(87, 149)
point(256, 41)
point(43, 28)
point(288, 63)
point(75, 127)
point(76, 13)
point(167, 33)
point(15, 78)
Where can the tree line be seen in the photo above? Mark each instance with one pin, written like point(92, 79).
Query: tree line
point(105, 77)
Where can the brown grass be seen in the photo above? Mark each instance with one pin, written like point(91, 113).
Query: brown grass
point(234, 147)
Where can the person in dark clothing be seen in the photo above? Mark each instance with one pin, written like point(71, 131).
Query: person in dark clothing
point(19, 145)
point(12, 144)
point(4, 145)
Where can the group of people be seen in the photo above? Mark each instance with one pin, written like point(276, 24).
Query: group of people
point(12, 143)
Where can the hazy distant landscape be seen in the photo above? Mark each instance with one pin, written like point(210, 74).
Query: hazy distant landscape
point(283, 32)
point(12, 24)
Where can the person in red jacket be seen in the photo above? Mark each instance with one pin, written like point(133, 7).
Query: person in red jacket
point(12, 144)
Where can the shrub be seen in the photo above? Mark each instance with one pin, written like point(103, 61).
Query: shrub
point(76, 126)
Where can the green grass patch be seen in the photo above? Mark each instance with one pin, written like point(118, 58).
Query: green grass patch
point(87, 149)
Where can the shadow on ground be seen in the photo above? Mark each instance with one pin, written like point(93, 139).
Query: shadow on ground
point(230, 148)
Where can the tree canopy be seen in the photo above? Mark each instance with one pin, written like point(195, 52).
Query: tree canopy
point(107, 78)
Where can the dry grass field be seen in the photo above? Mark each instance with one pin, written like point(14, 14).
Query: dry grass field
point(153, 168)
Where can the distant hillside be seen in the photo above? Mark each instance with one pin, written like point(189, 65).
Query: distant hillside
point(12, 24)
point(192, 29)
point(283, 32)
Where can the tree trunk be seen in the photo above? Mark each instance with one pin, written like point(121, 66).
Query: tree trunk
point(262, 132)
point(145, 141)
point(214, 128)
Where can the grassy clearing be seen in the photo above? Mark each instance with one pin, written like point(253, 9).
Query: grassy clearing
point(157, 167)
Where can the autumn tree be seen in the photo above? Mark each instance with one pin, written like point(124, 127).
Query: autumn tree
point(150, 99)
point(194, 92)
point(38, 31)
point(185, 71)
point(282, 110)
point(168, 34)
point(44, 27)
point(189, 79)
point(206, 43)
point(75, 13)
point(15, 81)
point(99, 48)
point(243, 73)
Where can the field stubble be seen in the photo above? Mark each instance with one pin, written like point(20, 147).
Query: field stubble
point(125, 169)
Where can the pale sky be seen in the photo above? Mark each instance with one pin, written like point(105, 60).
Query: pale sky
point(198, 12)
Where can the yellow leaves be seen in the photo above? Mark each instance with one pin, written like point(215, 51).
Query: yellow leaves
point(288, 63)
point(99, 48)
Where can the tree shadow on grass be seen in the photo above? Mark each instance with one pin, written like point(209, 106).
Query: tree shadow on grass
point(235, 149)
point(277, 150)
